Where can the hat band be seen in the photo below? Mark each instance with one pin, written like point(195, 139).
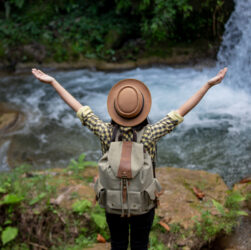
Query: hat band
point(142, 107)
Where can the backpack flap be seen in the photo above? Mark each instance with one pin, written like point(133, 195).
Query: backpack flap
point(124, 164)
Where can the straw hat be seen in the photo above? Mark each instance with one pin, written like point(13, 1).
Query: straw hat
point(129, 102)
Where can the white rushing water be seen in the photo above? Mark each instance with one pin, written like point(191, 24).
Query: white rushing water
point(235, 50)
point(215, 136)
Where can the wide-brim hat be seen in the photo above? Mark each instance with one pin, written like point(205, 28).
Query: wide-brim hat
point(129, 102)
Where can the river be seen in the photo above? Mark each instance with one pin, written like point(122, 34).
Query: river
point(215, 136)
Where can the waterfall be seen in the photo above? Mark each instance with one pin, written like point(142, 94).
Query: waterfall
point(235, 50)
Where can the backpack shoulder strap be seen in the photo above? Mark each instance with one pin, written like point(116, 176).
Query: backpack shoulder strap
point(114, 133)
point(137, 135)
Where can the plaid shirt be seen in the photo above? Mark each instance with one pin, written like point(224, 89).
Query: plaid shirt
point(152, 133)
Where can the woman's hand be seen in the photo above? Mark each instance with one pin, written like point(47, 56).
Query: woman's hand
point(41, 76)
point(64, 94)
point(218, 78)
point(195, 99)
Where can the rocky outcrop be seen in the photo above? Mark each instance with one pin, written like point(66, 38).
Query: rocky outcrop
point(179, 204)
point(191, 214)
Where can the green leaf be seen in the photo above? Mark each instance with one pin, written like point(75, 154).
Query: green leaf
point(99, 220)
point(89, 164)
point(37, 199)
point(2, 190)
point(81, 206)
point(81, 158)
point(240, 212)
point(74, 163)
point(218, 206)
point(9, 234)
point(7, 222)
point(11, 199)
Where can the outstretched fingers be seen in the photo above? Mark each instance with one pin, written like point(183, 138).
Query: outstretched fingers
point(34, 72)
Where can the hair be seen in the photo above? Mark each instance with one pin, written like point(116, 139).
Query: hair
point(137, 127)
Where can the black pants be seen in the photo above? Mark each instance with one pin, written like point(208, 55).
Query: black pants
point(140, 226)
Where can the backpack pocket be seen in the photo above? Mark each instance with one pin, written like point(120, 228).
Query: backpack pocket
point(113, 199)
point(135, 201)
point(100, 193)
point(153, 189)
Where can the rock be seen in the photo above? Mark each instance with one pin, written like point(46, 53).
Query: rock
point(64, 199)
point(10, 118)
point(244, 187)
point(70, 189)
point(100, 246)
point(179, 204)
point(239, 239)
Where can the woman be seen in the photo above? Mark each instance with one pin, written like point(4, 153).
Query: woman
point(129, 103)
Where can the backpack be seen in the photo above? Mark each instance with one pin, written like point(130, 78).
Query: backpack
point(126, 184)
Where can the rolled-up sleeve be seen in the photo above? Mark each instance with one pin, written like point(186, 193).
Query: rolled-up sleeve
point(102, 129)
point(165, 125)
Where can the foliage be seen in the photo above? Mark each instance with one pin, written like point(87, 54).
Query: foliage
point(155, 244)
point(9, 234)
point(71, 29)
point(30, 193)
point(81, 164)
point(209, 225)
point(15, 192)
point(77, 167)
point(81, 206)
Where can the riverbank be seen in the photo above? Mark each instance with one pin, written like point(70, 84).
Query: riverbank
point(198, 54)
point(55, 208)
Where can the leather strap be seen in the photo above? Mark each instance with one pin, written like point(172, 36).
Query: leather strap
point(125, 170)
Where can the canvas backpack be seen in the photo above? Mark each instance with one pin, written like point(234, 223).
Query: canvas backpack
point(126, 184)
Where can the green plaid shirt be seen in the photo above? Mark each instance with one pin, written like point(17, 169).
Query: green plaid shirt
point(152, 133)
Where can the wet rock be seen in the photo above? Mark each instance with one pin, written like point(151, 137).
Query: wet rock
point(10, 119)
point(19, 154)
point(244, 187)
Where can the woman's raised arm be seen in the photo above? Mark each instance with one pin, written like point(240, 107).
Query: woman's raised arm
point(195, 99)
point(65, 95)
